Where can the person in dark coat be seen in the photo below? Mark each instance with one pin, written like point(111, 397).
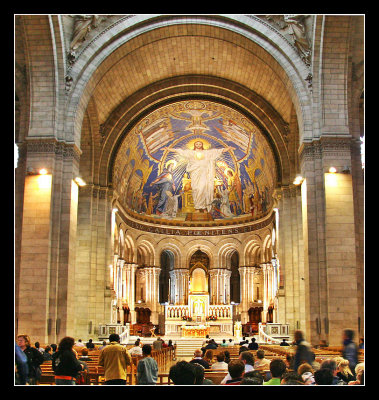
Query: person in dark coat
point(65, 363)
point(90, 345)
point(199, 360)
point(350, 349)
point(35, 359)
point(253, 345)
point(303, 350)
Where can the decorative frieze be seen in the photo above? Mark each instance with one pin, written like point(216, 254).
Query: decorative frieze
point(50, 146)
point(326, 147)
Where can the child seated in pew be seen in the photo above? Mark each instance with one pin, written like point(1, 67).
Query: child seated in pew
point(84, 356)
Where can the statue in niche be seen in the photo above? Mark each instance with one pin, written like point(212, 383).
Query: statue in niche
point(294, 26)
point(82, 26)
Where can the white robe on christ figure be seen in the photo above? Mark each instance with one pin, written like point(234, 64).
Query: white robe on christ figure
point(202, 169)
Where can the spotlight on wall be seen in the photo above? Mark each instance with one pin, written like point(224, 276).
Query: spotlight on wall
point(33, 171)
point(298, 180)
point(332, 170)
point(115, 210)
point(79, 181)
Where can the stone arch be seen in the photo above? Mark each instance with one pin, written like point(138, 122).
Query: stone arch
point(226, 249)
point(252, 253)
point(250, 28)
point(173, 245)
point(203, 245)
point(129, 249)
point(267, 248)
point(146, 252)
point(248, 244)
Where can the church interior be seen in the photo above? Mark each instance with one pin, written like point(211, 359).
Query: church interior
point(189, 175)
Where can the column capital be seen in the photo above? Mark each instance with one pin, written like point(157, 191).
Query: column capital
point(52, 145)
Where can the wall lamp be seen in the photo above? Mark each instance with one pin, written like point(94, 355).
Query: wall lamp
point(298, 180)
point(34, 171)
point(79, 181)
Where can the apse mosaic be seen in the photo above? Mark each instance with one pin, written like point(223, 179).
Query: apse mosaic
point(195, 159)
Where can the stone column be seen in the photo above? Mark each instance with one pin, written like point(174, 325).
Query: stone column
point(181, 286)
point(265, 292)
point(47, 247)
point(220, 280)
point(291, 252)
point(171, 300)
point(331, 236)
point(152, 291)
point(247, 291)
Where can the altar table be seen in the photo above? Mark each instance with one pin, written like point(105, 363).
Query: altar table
point(195, 331)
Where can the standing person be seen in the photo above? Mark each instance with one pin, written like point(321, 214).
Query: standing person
point(53, 348)
point(35, 359)
point(350, 349)
point(361, 343)
point(38, 347)
point(21, 365)
point(47, 356)
point(115, 360)
point(303, 350)
point(147, 368)
point(65, 363)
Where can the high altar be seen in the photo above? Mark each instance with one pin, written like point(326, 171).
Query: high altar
point(198, 318)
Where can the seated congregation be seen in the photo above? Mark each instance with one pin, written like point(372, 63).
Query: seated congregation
point(75, 363)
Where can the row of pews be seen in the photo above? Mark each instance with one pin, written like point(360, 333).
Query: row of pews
point(164, 357)
point(95, 374)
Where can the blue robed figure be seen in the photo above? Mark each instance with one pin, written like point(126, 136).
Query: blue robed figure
point(165, 182)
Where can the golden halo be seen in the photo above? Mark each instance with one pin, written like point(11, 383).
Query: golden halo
point(205, 142)
point(228, 169)
point(171, 162)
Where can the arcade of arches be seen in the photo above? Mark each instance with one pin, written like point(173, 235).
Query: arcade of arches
point(205, 144)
